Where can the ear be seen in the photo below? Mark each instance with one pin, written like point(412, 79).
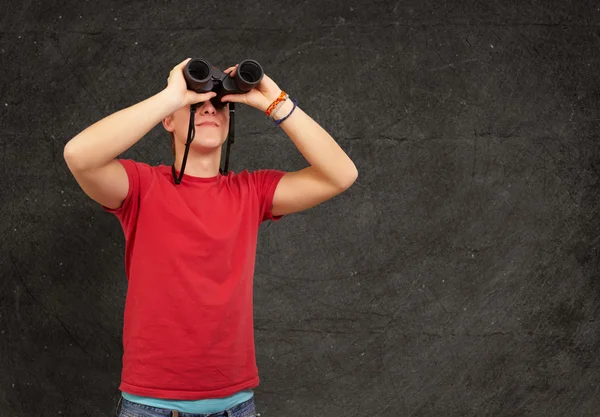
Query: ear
point(168, 123)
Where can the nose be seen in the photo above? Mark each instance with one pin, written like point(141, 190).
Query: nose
point(206, 108)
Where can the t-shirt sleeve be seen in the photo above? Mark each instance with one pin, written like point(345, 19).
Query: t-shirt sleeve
point(266, 181)
point(140, 176)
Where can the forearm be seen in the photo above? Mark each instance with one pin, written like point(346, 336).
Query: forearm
point(103, 141)
point(318, 147)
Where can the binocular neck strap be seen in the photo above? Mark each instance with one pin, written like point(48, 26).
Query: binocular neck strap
point(190, 138)
point(230, 136)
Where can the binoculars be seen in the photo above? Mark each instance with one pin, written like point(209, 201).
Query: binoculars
point(201, 77)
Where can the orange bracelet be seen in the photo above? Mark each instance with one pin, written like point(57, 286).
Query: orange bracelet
point(275, 103)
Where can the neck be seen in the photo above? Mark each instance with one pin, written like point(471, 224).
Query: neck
point(199, 164)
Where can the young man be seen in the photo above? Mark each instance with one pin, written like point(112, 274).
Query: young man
point(190, 248)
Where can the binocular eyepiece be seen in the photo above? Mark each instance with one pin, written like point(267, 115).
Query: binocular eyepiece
point(201, 77)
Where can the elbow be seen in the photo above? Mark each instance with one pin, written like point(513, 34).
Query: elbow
point(72, 157)
point(350, 178)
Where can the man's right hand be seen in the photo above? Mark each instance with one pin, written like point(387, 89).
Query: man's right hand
point(178, 90)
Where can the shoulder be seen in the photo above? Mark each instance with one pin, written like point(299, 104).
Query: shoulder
point(257, 178)
point(142, 173)
point(130, 164)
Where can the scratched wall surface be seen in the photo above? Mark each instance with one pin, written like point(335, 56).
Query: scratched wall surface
point(457, 277)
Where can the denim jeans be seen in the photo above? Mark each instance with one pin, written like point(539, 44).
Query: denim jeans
point(131, 409)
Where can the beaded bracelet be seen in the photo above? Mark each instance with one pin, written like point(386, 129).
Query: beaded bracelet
point(275, 103)
point(279, 106)
point(278, 122)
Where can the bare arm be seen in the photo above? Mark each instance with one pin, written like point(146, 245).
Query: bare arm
point(331, 170)
point(91, 154)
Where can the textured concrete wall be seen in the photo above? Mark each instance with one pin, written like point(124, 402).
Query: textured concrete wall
point(457, 277)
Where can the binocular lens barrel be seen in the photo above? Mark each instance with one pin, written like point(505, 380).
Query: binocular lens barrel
point(199, 70)
point(248, 75)
point(197, 73)
point(250, 72)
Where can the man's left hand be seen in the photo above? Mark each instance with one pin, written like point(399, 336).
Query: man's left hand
point(260, 97)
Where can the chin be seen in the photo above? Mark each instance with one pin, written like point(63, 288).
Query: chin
point(205, 144)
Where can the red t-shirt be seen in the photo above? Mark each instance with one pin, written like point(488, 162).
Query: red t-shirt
point(190, 250)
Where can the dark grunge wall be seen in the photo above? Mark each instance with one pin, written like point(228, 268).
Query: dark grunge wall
point(459, 275)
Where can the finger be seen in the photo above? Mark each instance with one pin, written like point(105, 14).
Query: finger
point(205, 96)
point(183, 63)
point(232, 98)
point(233, 70)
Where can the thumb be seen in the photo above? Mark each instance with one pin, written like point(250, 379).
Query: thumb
point(234, 98)
point(183, 63)
point(194, 97)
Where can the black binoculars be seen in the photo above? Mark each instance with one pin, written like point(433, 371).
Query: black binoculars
point(201, 77)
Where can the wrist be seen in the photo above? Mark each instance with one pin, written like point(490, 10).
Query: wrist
point(279, 121)
point(284, 110)
point(272, 96)
point(270, 99)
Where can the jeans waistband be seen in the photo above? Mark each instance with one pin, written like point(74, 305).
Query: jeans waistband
point(245, 409)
